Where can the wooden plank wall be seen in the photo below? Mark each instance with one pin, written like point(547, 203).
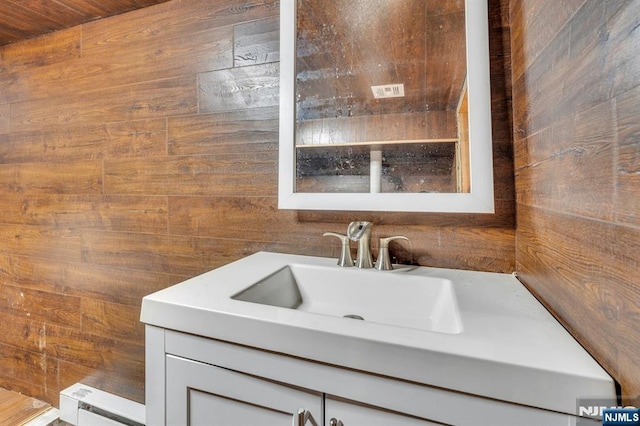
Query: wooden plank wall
point(576, 97)
point(383, 127)
point(140, 150)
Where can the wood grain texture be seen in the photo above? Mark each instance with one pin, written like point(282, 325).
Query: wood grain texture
point(17, 409)
point(627, 172)
point(152, 99)
point(586, 273)
point(5, 115)
point(576, 112)
point(23, 20)
point(235, 174)
point(22, 366)
point(130, 162)
point(22, 333)
point(58, 48)
point(126, 213)
point(236, 132)
point(256, 42)
point(239, 88)
point(537, 24)
point(50, 243)
point(85, 281)
point(385, 127)
point(554, 173)
point(40, 306)
point(377, 42)
point(60, 178)
point(69, 144)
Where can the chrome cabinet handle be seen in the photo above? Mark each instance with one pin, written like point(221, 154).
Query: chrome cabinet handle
point(302, 417)
point(335, 422)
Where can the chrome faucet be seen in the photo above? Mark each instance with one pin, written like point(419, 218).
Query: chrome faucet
point(361, 232)
point(384, 259)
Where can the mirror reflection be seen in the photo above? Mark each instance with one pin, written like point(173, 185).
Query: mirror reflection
point(380, 97)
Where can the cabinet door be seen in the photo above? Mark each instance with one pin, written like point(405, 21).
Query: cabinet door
point(354, 414)
point(204, 395)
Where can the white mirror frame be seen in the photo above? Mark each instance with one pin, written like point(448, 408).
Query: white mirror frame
point(479, 200)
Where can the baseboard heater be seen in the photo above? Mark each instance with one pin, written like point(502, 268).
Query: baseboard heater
point(82, 405)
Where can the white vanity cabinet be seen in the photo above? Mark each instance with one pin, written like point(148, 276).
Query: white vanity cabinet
point(352, 414)
point(199, 393)
point(197, 381)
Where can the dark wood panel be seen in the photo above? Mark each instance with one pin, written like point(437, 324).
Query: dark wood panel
point(577, 61)
point(173, 254)
point(180, 255)
point(492, 245)
point(113, 284)
point(144, 138)
point(50, 243)
point(174, 19)
point(554, 176)
point(576, 113)
point(501, 110)
point(248, 218)
point(504, 218)
point(236, 132)
point(121, 322)
point(5, 111)
point(384, 127)
point(239, 88)
point(21, 365)
point(542, 97)
point(22, 333)
point(535, 24)
point(258, 219)
point(40, 306)
point(152, 99)
point(136, 59)
point(256, 42)
point(40, 389)
point(62, 178)
point(12, 88)
point(627, 197)
point(588, 283)
point(121, 213)
point(246, 174)
point(96, 352)
point(22, 20)
point(54, 49)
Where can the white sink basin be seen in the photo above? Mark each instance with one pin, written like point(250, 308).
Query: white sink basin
point(398, 299)
point(412, 328)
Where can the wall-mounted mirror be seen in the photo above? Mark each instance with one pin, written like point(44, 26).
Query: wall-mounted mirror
point(385, 106)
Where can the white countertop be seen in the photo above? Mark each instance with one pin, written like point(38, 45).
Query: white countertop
point(510, 349)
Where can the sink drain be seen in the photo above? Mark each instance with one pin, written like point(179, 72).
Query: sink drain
point(353, 316)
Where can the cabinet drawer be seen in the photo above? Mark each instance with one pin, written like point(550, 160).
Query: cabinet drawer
point(354, 414)
point(199, 394)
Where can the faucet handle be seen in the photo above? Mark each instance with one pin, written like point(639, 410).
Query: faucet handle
point(383, 263)
point(345, 259)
